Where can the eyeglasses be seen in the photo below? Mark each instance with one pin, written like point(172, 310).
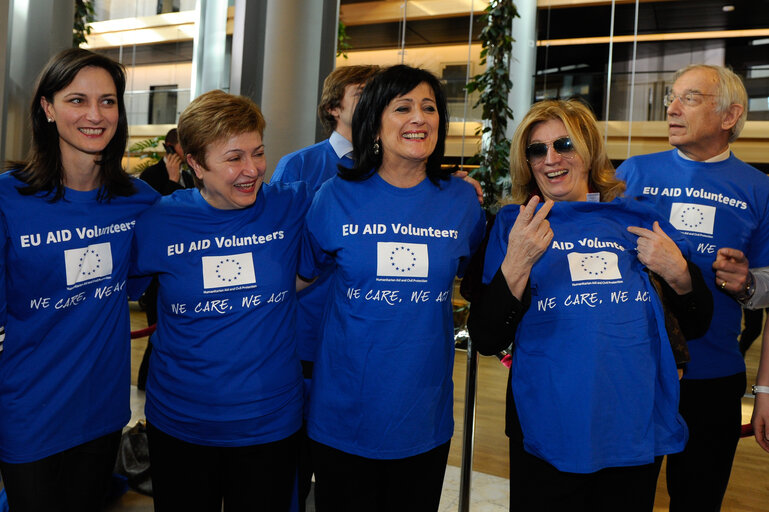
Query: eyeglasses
point(538, 150)
point(690, 98)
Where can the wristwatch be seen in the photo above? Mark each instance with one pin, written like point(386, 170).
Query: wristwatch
point(760, 389)
point(747, 293)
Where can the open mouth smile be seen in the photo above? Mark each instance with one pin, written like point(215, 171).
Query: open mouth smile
point(245, 187)
point(556, 174)
point(91, 132)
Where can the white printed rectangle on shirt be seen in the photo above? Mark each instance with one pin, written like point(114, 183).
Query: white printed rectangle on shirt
point(596, 266)
point(698, 218)
point(88, 263)
point(396, 259)
point(230, 270)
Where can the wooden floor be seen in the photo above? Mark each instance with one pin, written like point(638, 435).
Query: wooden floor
point(748, 488)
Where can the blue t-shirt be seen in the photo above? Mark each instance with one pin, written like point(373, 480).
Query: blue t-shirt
point(720, 204)
point(382, 384)
point(224, 370)
point(312, 165)
point(65, 367)
point(593, 376)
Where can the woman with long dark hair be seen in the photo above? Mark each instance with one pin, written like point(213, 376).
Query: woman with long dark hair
point(66, 223)
point(397, 229)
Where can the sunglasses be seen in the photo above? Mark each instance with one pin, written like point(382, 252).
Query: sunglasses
point(538, 150)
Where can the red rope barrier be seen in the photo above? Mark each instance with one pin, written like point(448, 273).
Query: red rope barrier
point(746, 430)
point(141, 333)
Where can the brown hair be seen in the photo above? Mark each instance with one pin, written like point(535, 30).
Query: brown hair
point(214, 116)
point(333, 90)
point(583, 130)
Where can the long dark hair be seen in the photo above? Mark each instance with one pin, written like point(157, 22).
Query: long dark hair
point(43, 171)
point(379, 92)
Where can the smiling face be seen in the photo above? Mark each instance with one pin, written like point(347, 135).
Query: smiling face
point(560, 177)
point(699, 131)
point(233, 171)
point(85, 112)
point(409, 127)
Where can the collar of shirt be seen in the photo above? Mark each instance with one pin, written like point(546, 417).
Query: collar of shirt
point(342, 147)
point(718, 158)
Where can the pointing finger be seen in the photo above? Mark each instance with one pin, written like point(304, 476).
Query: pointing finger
point(639, 231)
point(527, 212)
point(660, 231)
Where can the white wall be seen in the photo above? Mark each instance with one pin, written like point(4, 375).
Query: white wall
point(140, 78)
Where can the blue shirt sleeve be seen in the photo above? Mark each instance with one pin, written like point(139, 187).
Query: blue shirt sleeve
point(287, 169)
point(497, 247)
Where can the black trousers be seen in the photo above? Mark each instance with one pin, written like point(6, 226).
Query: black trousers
point(193, 477)
point(347, 483)
point(75, 480)
point(537, 486)
point(697, 477)
point(543, 488)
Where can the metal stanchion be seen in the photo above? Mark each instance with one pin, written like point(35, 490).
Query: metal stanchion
point(468, 437)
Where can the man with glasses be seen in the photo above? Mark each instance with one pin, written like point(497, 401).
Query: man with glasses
point(722, 205)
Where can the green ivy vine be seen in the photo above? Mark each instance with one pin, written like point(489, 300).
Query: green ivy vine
point(84, 16)
point(343, 40)
point(493, 86)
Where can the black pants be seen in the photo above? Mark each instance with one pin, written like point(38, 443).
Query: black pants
point(75, 480)
point(544, 488)
point(193, 477)
point(754, 323)
point(347, 483)
point(149, 300)
point(698, 476)
point(537, 486)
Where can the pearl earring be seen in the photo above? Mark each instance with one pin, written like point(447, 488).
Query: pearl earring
point(376, 147)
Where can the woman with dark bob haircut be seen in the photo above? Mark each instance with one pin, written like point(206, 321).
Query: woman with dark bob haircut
point(397, 229)
point(578, 284)
point(67, 219)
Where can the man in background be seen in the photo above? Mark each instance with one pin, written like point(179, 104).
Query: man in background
point(169, 174)
point(722, 205)
point(314, 165)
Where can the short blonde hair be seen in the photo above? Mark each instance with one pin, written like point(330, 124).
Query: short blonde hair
point(582, 128)
point(214, 116)
point(729, 91)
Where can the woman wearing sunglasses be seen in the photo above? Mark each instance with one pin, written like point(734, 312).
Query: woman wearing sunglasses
point(594, 402)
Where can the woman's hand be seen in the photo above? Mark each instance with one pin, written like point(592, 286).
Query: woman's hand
point(662, 256)
point(464, 175)
point(760, 420)
point(528, 240)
